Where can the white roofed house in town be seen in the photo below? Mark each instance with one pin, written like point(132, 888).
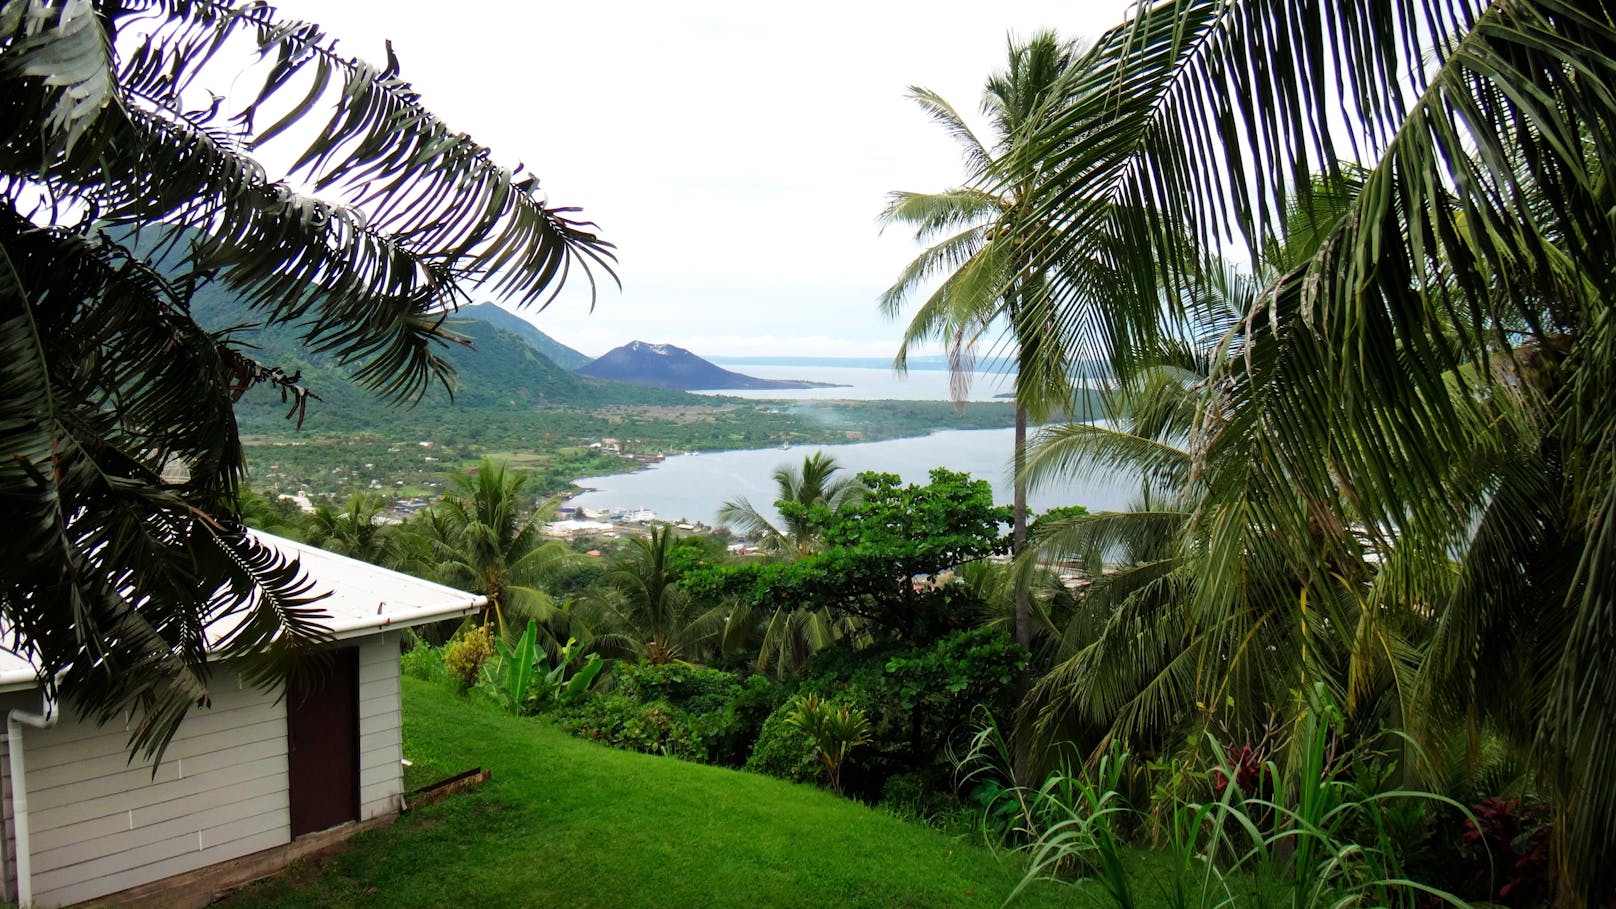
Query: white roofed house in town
point(245, 782)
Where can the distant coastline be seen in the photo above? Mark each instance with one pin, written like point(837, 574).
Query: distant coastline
point(924, 364)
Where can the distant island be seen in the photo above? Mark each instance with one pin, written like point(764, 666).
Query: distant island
point(927, 363)
point(667, 366)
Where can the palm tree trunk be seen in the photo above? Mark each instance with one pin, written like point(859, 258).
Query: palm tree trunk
point(1021, 751)
point(1018, 528)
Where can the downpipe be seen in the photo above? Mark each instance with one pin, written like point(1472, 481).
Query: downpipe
point(15, 720)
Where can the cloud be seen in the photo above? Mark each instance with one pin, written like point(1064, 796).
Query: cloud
point(737, 153)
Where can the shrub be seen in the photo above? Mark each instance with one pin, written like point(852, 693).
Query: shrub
point(835, 731)
point(689, 688)
point(423, 661)
point(784, 751)
point(731, 742)
point(623, 722)
point(1507, 844)
point(718, 717)
point(919, 701)
point(926, 797)
point(464, 656)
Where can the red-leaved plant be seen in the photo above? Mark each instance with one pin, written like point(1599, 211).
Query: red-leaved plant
point(1516, 834)
point(1246, 762)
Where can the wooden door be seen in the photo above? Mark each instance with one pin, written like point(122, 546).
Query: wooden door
point(322, 744)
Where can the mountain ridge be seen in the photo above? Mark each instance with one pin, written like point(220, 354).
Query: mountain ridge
point(556, 352)
point(500, 373)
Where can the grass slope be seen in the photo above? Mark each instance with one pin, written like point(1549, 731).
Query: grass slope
point(567, 823)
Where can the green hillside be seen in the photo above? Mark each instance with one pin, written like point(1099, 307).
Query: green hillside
point(557, 352)
point(500, 375)
point(569, 823)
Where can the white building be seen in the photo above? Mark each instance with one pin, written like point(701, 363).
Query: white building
point(247, 784)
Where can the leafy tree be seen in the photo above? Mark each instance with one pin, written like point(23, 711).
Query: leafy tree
point(786, 635)
point(122, 455)
point(885, 557)
point(986, 283)
point(882, 559)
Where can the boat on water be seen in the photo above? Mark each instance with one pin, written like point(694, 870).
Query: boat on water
point(641, 516)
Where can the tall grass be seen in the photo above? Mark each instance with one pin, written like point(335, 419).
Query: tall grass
point(1317, 831)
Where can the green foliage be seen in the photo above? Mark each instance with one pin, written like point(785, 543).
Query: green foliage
point(1061, 514)
point(834, 730)
point(354, 531)
point(485, 536)
point(644, 613)
point(691, 688)
point(1403, 445)
point(1326, 836)
point(464, 656)
point(623, 722)
point(521, 682)
point(964, 669)
point(800, 491)
point(690, 712)
point(918, 702)
point(423, 661)
point(881, 557)
point(922, 796)
point(784, 751)
point(511, 674)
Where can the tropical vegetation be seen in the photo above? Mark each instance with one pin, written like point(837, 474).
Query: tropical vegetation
point(800, 490)
point(1342, 272)
point(1397, 473)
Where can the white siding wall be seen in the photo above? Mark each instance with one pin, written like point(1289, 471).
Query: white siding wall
point(100, 823)
point(381, 777)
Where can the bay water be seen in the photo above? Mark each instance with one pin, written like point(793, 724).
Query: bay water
point(692, 487)
point(855, 383)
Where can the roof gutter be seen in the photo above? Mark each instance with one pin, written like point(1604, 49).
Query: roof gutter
point(353, 628)
point(15, 720)
point(24, 679)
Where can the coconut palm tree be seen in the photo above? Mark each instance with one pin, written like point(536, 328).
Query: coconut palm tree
point(800, 491)
point(642, 612)
point(354, 531)
point(985, 283)
point(481, 540)
point(124, 184)
point(1440, 363)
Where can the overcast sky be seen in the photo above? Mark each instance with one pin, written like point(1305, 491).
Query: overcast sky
point(737, 153)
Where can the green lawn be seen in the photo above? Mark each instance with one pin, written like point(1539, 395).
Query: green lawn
point(567, 823)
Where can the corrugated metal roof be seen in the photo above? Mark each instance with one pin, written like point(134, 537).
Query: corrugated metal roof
point(364, 599)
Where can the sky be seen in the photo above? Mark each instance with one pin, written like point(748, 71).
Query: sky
point(738, 153)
